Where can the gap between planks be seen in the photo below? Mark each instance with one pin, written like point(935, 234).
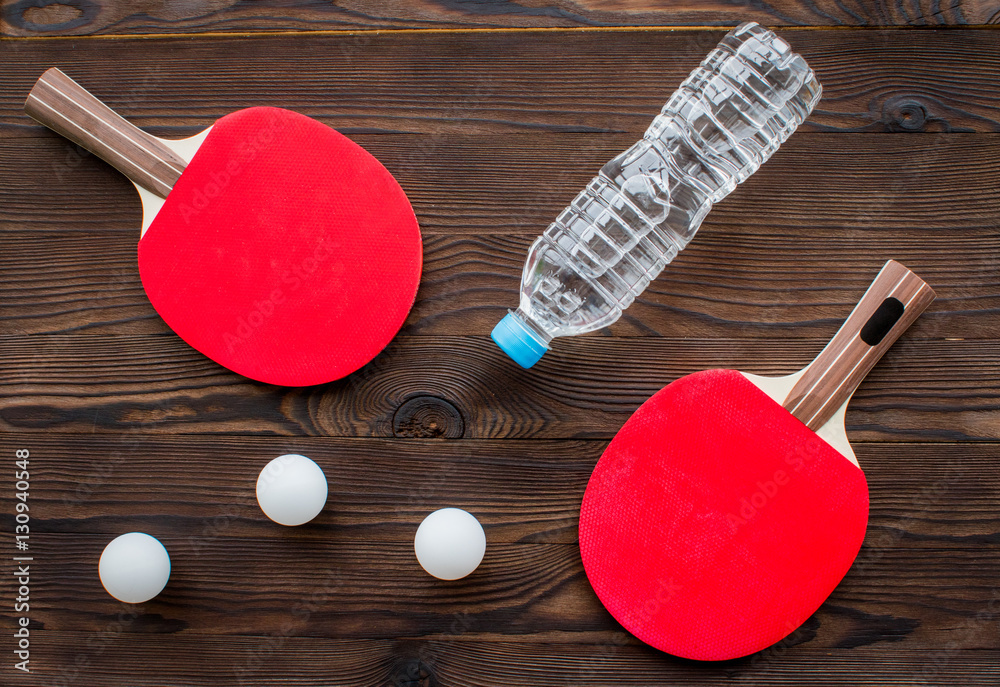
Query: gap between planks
point(533, 29)
point(109, 437)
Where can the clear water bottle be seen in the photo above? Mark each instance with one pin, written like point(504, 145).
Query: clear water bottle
point(724, 121)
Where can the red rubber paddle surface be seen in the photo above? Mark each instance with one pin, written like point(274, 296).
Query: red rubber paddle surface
point(285, 252)
point(716, 523)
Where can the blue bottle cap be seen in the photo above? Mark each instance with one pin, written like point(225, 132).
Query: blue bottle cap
point(516, 340)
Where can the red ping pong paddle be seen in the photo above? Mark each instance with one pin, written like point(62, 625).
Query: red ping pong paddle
point(271, 243)
point(730, 506)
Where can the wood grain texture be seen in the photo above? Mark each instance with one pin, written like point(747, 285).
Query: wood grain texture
point(377, 590)
point(730, 282)
point(852, 187)
point(587, 387)
point(934, 534)
point(789, 248)
point(472, 659)
point(491, 133)
point(588, 82)
point(110, 17)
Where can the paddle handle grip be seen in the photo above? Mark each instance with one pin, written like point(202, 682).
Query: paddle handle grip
point(67, 108)
point(892, 303)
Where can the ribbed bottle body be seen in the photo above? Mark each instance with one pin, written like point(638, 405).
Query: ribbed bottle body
point(727, 118)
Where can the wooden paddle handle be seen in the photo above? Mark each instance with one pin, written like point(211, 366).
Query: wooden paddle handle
point(892, 303)
point(64, 106)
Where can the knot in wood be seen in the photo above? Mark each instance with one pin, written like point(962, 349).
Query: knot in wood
point(428, 417)
point(412, 673)
point(905, 114)
point(38, 15)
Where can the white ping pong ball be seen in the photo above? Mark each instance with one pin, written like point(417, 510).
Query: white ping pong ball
point(134, 567)
point(450, 543)
point(291, 489)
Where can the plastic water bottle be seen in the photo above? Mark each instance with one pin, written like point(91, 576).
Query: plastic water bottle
point(724, 121)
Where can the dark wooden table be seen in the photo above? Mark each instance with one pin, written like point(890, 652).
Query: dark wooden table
point(492, 115)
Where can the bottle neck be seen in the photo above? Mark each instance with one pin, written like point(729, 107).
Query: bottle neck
point(529, 324)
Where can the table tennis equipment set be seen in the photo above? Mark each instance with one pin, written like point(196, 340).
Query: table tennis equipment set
point(271, 243)
point(717, 521)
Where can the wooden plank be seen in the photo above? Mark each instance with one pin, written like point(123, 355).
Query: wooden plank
point(202, 487)
point(928, 566)
point(466, 658)
point(474, 82)
point(796, 244)
point(850, 185)
point(930, 390)
point(109, 17)
point(731, 282)
point(248, 586)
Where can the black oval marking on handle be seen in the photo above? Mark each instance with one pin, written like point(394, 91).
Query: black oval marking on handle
point(881, 321)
